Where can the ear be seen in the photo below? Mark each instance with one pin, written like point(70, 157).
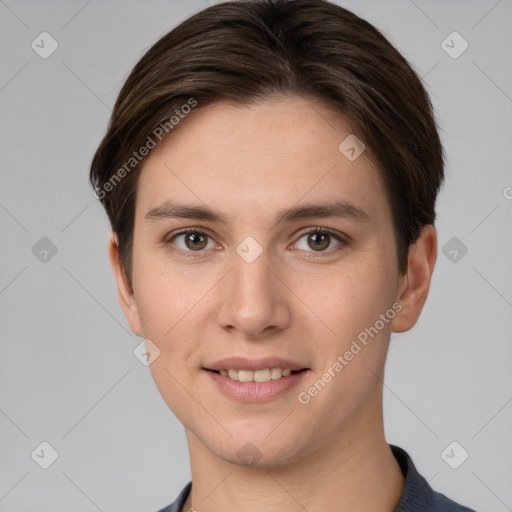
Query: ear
point(125, 292)
point(415, 283)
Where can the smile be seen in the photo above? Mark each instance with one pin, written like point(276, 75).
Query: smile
point(264, 375)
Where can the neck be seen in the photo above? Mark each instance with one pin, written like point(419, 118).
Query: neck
point(354, 472)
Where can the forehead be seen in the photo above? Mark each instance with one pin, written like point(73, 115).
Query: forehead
point(256, 158)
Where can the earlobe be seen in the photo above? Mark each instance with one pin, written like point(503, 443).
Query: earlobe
point(415, 283)
point(125, 292)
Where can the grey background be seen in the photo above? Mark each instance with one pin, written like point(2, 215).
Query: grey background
point(68, 373)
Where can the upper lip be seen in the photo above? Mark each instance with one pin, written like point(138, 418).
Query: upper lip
point(242, 363)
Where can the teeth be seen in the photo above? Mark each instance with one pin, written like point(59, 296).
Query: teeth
point(276, 373)
point(264, 375)
point(245, 375)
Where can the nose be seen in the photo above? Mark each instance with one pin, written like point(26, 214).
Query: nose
point(254, 299)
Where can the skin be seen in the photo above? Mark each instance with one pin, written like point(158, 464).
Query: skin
point(293, 302)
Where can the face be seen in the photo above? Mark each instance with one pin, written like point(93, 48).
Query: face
point(289, 277)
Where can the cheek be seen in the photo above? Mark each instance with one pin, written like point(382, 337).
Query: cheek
point(172, 312)
point(167, 295)
point(350, 362)
point(352, 358)
point(350, 300)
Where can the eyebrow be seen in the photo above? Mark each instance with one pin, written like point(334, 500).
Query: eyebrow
point(333, 209)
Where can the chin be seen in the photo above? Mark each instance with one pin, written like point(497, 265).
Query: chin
point(258, 451)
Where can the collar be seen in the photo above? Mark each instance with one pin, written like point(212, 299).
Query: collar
point(417, 495)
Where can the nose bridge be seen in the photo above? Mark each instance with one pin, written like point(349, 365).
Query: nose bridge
point(252, 276)
point(252, 301)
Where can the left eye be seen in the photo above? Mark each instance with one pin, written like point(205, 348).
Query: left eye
point(318, 240)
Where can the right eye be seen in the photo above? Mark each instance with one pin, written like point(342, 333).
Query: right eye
point(193, 240)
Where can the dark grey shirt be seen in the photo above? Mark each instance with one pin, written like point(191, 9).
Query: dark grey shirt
point(418, 496)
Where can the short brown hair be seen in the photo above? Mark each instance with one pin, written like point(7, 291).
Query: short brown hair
point(244, 51)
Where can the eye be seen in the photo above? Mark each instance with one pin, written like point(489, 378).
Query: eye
point(319, 239)
point(193, 240)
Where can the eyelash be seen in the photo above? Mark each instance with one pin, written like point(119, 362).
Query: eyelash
point(314, 230)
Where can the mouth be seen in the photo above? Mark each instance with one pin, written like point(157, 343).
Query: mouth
point(253, 381)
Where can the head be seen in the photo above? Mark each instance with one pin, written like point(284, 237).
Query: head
point(252, 123)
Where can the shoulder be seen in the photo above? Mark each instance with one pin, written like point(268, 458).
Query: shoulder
point(418, 496)
point(178, 505)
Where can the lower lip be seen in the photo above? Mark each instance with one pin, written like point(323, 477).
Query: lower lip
point(255, 391)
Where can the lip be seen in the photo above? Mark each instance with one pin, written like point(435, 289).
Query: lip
point(255, 392)
point(242, 363)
